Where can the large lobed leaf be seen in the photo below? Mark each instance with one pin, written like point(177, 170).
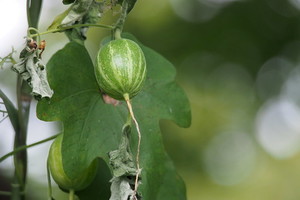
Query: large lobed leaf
point(93, 128)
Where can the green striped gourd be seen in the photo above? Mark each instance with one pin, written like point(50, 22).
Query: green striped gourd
point(57, 171)
point(120, 68)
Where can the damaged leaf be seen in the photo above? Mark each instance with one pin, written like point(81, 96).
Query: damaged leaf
point(32, 70)
point(121, 160)
point(123, 168)
point(121, 188)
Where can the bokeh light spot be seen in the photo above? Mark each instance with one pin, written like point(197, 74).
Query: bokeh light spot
point(229, 158)
point(278, 129)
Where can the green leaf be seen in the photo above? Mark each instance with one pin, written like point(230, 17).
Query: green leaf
point(99, 187)
point(11, 111)
point(93, 128)
point(58, 19)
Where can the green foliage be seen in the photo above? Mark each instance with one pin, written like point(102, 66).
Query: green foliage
point(93, 128)
point(99, 187)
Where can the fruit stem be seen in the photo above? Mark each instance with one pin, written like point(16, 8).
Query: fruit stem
point(71, 195)
point(138, 169)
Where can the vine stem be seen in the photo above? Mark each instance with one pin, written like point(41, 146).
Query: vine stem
point(73, 26)
point(127, 99)
point(21, 148)
point(117, 30)
point(49, 182)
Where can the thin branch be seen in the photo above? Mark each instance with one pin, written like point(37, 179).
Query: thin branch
point(26, 147)
point(3, 118)
point(73, 26)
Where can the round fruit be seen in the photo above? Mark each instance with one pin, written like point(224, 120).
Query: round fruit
point(57, 171)
point(120, 68)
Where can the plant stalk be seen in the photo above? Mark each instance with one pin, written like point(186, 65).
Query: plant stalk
point(116, 32)
point(23, 101)
point(20, 158)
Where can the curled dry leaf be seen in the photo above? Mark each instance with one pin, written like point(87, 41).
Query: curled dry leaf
point(32, 70)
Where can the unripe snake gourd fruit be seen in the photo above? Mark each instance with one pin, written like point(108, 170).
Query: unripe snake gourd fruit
point(57, 171)
point(120, 68)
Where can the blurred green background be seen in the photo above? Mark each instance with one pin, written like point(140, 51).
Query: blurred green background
point(238, 61)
